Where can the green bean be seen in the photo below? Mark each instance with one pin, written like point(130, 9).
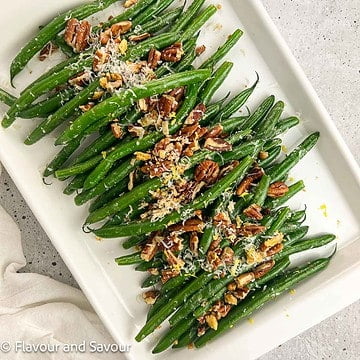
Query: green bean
point(134, 241)
point(206, 239)
point(114, 178)
point(239, 100)
point(41, 87)
point(147, 141)
point(188, 15)
point(307, 244)
point(144, 265)
point(129, 259)
point(60, 42)
point(272, 156)
point(143, 227)
point(299, 215)
point(187, 338)
point(293, 190)
point(261, 191)
point(76, 183)
point(168, 308)
point(266, 127)
point(160, 302)
point(151, 280)
point(286, 124)
point(215, 82)
point(198, 22)
point(48, 32)
point(296, 235)
point(152, 10)
point(127, 97)
point(294, 157)
point(222, 50)
point(260, 297)
point(271, 143)
point(54, 120)
point(7, 98)
point(46, 107)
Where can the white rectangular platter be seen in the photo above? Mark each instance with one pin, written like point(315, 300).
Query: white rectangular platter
point(330, 173)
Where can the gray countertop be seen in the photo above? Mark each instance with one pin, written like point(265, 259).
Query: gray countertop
point(324, 37)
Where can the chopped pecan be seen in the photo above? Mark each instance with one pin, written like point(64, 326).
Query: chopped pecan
point(196, 114)
point(140, 37)
point(253, 211)
point(143, 105)
point(141, 156)
point(137, 131)
point(263, 269)
point(276, 239)
point(221, 219)
point(167, 104)
point(217, 144)
point(227, 256)
point(263, 155)
point(100, 59)
point(173, 260)
point(177, 93)
point(150, 296)
point(244, 186)
point(97, 95)
point(129, 3)
point(77, 34)
point(215, 243)
point(172, 53)
point(116, 130)
point(230, 299)
point(200, 49)
point(201, 330)
point(154, 58)
point(86, 107)
point(80, 79)
point(47, 50)
point(277, 189)
point(223, 311)
point(153, 271)
point(194, 243)
point(120, 28)
point(244, 279)
point(253, 256)
point(215, 132)
point(228, 167)
point(114, 81)
point(189, 225)
point(207, 171)
point(191, 148)
point(172, 242)
point(211, 321)
point(168, 274)
point(274, 250)
point(150, 248)
point(213, 259)
point(249, 229)
point(241, 293)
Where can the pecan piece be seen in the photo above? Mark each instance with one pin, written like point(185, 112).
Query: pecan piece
point(227, 256)
point(274, 250)
point(77, 34)
point(207, 171)
point(244, 186)
point(263, 269)
point(263, 155)
point(173, 260)
point(232, 286)
point(129, 3)
point(277, 189)
point(137, 131)
point(221, 219)
point(120, 28)
point(86, 107)
point(196, 114)
point(172, 53)
point(80, 80)
point(276, 239)
point(100, 59)
point(241, 293)
point(217, 144)
point(200, 49)
point(46, 51)
point(215, 132)
point(177, 93)
point(253, 212)
point(140, 37)
point(188, 226)
point(150, 248)
point(167, 274)
point(150, 296)
point(213, 259)
point(154, 58)
point(250, 229)
point(194, 243)
point(244, 279)
point(228, 167)
point(116, 130)
point(167, 104)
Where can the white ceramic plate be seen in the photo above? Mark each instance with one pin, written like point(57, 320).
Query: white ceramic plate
point(330, 173)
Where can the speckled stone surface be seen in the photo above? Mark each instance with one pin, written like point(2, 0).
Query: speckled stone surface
point(324, 37)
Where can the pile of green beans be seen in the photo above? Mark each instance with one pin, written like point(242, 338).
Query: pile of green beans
point(100, 171)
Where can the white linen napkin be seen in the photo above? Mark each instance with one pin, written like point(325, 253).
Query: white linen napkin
point(35, 309)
